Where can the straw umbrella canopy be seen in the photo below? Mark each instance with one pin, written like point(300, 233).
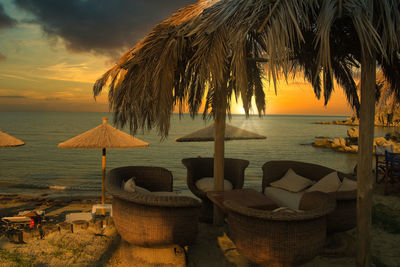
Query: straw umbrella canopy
point(7, 140)
point(207, 134)
point(102, 137)
point(214, 48)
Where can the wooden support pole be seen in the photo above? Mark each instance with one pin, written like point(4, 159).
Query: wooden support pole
point(103, 169)
point(219, 146)
point(365, 158)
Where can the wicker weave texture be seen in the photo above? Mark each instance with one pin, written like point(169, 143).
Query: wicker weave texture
point(276, 238)
point(198, 168)
point(151, 220)
point(154, 226)
point(344, 217)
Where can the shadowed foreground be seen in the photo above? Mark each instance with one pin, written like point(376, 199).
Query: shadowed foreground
point(94, 247)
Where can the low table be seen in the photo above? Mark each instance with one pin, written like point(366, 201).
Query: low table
point(246, 197)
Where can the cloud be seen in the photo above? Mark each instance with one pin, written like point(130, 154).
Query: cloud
point(17, 77)
point(5, 20)
point(12, 96)
point(3, 57)
point(102, 26)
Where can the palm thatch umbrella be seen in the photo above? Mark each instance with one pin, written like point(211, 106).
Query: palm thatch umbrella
point(207, 134)
point(7, 140)
point(102, 137)
point(215, 47)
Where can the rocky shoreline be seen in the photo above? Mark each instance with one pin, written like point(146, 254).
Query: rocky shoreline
point(380, 121)
point(350, 143)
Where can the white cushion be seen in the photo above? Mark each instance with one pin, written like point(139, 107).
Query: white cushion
point(329, 183)
point(348, 185)
point(130, 185)
point(293, 182)
point(284, 198)
point(142, 190)
point(207, 184)
point(164, 193)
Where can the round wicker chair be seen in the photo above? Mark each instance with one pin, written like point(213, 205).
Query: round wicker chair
point(151, 220)
point(198, 168)
point(281, 238)
point(344, 217)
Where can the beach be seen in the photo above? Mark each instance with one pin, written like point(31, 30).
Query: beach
point(94, 246)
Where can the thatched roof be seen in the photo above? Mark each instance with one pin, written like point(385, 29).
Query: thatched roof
point(103, 136)
point(7, 140)
point(219, 45)
point(231, 133)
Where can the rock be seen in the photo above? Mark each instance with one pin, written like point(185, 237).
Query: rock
point(394, 136)
point(353, 132)
point(381, 141)
point(336, 143)
point(342, 141)
point(323, 142)
point(354, 149)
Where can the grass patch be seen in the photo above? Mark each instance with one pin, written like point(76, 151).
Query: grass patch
point(14, 257)
point(386, 218)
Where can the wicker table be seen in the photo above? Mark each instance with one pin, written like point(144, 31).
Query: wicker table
point(246, 197)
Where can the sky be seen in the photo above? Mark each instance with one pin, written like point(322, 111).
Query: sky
point(52, 52)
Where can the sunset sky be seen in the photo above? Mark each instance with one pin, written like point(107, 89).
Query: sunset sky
point(52, 51)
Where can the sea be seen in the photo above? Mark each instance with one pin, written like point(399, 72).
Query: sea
point(39, 168)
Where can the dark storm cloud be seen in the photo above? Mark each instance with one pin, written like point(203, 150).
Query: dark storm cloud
point(100, 25)
point(5, 20)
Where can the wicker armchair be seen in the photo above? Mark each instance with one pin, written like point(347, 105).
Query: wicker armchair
point(151, 220)
point(198, 168)
point(344, 217)
point(280, 238)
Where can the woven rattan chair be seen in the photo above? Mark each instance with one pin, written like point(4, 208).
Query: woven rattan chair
point(392, 172)
point(198, 168)
point(281, 238)
point(151, 220)
point(344, 217)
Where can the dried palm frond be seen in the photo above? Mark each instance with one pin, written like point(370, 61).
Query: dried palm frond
point(216, 45)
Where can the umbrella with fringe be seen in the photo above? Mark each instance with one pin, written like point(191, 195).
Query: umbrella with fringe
point(102, 137)
point(7, 140)
point(231, 133)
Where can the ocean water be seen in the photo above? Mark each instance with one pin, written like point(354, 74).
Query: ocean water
point(39, 167)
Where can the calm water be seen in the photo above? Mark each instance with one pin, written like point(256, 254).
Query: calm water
point(33, 168)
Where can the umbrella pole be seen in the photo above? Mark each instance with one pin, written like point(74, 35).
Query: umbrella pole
point(103, 168)
point(219, 146)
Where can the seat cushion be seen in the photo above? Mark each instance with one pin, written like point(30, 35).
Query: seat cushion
point(348, 185)
point(328, 184)
point(293, 182)
point(207, 184)
point(283, 198)
point(131, 186)
point(164, 193)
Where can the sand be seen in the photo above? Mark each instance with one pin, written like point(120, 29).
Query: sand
point(94, 246)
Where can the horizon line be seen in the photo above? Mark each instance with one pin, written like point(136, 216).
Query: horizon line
point(198, 114)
